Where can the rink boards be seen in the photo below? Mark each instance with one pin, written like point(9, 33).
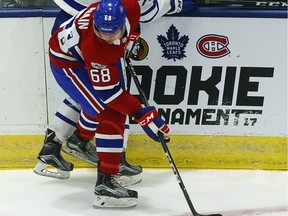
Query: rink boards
point(221, 89)
point(219, 152)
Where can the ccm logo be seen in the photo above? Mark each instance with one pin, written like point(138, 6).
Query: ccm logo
point(213, 46)
point(147, 120)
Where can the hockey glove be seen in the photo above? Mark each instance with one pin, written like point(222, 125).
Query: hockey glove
point(182, 6)
point(151, 123)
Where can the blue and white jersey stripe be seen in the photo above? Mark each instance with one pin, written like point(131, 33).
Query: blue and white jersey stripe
point(72, 7)
point(150, 9)
point(62, 56)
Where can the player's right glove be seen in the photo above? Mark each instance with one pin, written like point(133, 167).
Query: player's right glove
point(151, 123)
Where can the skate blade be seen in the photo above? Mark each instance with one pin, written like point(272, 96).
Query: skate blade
point(126, 181)
point(77, 155)
point(41, 169)
point(112, 202)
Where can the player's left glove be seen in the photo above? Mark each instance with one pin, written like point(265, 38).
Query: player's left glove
point(151, 123)
point(182, 6)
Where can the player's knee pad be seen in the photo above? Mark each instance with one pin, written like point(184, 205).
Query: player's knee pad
point(111, 122)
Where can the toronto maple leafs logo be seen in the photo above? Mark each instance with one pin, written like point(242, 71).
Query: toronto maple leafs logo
point(173, 46)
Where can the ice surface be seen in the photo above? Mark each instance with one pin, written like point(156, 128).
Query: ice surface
point(229, 192)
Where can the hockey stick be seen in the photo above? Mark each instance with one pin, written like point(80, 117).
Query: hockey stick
point(132, 71)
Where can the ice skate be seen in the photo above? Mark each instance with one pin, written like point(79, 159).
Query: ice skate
point(110, 194)
point(129, 174)
point(50, 156)
point(82, 149)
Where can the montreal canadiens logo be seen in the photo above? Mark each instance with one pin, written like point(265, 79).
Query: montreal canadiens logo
point(213, 46)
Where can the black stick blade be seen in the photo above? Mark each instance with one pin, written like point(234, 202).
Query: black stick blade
point(208, 215)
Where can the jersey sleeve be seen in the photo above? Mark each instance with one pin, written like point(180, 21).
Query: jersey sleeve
point(133, 13)
point(72, 7)
point(154, 9)
point(126, 103)
point(64, 44)
point(60, 45)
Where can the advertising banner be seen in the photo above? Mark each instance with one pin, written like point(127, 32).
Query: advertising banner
point(215, 76)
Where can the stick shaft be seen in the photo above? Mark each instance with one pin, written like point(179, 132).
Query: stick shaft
point(160, 135)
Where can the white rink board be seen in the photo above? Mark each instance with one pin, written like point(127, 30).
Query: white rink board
point(253, 43)
point(23, 90)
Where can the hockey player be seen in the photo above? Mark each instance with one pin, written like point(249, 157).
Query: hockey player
point(68, 114)
point(86, 58)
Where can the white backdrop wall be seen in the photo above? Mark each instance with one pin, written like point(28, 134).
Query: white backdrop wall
point(23, 92)
point(193, 71)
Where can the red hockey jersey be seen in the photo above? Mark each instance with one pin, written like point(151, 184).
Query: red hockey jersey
point(75, 44)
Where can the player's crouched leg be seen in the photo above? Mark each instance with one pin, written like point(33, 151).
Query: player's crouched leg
point(129, 174)
point(80, 148)
point(110, 194)
point(50, 155)
point(109, 138)
point(84, 150)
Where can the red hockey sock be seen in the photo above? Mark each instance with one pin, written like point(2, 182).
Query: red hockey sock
point(109, 162)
